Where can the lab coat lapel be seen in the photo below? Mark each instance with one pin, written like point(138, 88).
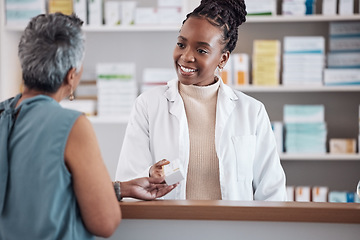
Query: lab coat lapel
point(224, 107)
point(175, 103)
point(176, 108)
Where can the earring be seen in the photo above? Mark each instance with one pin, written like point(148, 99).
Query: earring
point(71, 96)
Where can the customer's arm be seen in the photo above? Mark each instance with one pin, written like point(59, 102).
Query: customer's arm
point(92, 184)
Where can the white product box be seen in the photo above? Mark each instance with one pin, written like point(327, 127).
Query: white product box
point(19, 13)
point(320, 194)
point(241, 69)
point(342, 76)
point(112, 13)
point(342, 197)
point(344, 28)
point(343, 60)
point(290, 193)
point(117, 88)
point(261, 7)
point(329, 7)
point(304, 113)
point(302, 194)
point(128, 9)
point(173, 172)
point(146, 16)
point(170, 15)
point(153, 77)
point(170, 3)
point(346, 7)
point(95, 17)
point(80, 8)
point(342, 145)
point(158, 75)
point(313, 44)
point(293, 8)
point(344, 43)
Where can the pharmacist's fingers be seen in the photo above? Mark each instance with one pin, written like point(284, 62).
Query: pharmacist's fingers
point(161, 163)
point(157, 172)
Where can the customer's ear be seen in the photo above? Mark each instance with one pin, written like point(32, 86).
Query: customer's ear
point(70, 77)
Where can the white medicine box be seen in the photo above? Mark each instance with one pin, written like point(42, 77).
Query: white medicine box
point(173, 172)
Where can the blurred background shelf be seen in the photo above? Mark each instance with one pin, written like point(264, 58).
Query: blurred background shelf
point(322, 157)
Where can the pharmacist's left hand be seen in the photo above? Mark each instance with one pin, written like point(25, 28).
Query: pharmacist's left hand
point(157, 170)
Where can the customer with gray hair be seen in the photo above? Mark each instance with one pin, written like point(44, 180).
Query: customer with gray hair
point(53, 182)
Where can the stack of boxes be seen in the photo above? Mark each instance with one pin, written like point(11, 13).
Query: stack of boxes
point(117, 89)
point(319, 194)
point(303, 60)
point(266, 62)
point(128, 12)
point(261, 7)
point(298, 7)
point(236, 70)
point(153, 77)
point(305, 129)
point(343, 59)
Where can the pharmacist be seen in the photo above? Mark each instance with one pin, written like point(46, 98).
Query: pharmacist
point(221, 137)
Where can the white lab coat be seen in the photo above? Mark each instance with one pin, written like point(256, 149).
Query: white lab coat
point(249, 165)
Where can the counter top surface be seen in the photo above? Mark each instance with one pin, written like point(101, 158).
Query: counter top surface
point(242, 211)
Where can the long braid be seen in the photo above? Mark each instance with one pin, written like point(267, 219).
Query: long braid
point(226, 14)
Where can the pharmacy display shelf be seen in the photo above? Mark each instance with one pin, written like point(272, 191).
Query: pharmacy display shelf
point(134, 28)
point(322, 157)
point(302, 88)
point(306, 18)
point(108, 120)
point(105, 28)
point(250, 19)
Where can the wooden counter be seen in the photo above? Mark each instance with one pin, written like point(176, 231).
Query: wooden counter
point(242, 211)
point(214, 220)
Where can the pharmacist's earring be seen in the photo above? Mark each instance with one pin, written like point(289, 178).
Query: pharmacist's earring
point(71, 96)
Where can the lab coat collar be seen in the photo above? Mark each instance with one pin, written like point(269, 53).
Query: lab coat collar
point(228, 91)
point(172, 93)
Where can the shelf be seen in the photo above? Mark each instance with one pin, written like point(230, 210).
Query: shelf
point(306, 18)
point(157, 28)
point(298, 88)
point(322, 157)
point(104, 28)
point(250, 19)
point(108, 120)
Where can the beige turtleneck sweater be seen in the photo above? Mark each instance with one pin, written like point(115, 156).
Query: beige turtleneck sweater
point(203, 170)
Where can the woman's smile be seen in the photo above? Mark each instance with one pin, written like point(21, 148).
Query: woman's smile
point(186, 71)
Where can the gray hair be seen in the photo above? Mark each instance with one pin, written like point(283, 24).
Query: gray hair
point(50, 46)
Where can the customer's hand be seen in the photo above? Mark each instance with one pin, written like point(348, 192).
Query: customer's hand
point(147, 188)
point(157, 170)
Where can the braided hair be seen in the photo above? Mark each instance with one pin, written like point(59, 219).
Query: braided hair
point(226, 14)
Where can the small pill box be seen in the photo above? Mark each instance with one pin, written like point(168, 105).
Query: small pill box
point(173, 172)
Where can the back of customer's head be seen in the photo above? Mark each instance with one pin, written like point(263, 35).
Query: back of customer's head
point(226, 14)
point(50, 46)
